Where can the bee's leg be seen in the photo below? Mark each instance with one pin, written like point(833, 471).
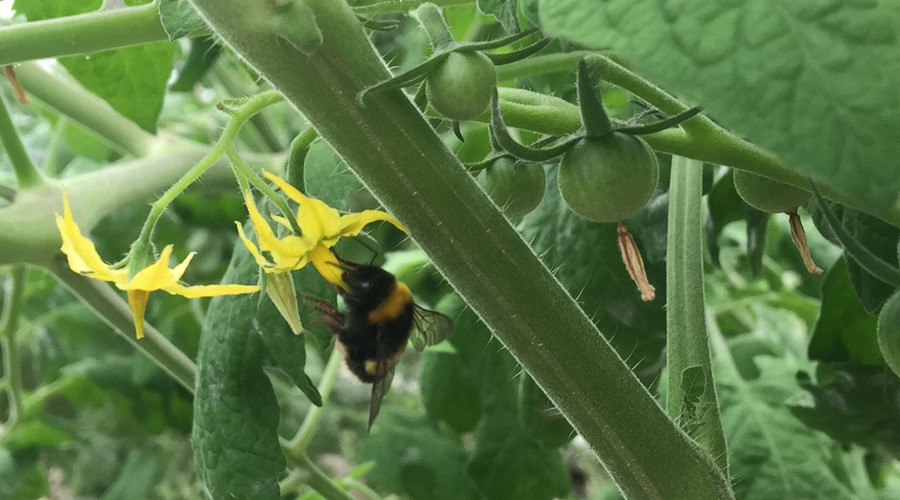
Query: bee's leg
point(331, 316)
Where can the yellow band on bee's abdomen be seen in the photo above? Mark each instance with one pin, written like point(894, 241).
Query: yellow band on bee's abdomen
point(393, 305)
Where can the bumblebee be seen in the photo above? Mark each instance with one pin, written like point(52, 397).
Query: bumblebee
point(380, 318)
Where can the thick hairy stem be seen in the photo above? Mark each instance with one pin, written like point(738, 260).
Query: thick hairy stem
point(393, 150)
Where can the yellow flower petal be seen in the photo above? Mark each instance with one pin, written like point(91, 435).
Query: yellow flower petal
point(287, 253)
point(156, 276)
point(137, 300)
point(328, 265)
point(178, 271)
point(352, 224)
point(210, 290)
point(80, 251)
point(315, 218)
point(260, 260)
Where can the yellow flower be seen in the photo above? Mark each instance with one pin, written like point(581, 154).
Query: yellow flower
point(320, 226)
point(84, 260)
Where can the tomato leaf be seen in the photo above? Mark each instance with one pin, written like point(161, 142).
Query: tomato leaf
point(876, 235)
point(288, 350)
point(180, 19)
point(450, 393)
point(725, 206)
point(807, 65)
point(772, 453)
point(132, 79)
point(854, 404)
point(843, 331)
point(235, 437)
point(411, 456)
point(506, 12)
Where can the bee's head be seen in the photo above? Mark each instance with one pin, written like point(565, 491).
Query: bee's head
point(368, 284)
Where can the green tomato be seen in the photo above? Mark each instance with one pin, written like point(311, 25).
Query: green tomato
point(768, 195)
point(515, 187)
point(460, 88)
point(889, 332)
point(609, 178)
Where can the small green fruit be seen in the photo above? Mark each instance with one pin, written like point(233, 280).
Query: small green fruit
point(515, 187)
point(608, 178)
point(889, 332)
point(768, 195)
point(460, 88)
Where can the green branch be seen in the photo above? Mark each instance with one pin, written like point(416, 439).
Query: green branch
point(86, 109)
point(9, 326)
point(27, 175)
point(91, 32)
point(400, 158)
point(113, 309)
point(690, 391)
point(382, 6)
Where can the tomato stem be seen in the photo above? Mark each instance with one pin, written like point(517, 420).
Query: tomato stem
point(432, 20)
point(593, 114)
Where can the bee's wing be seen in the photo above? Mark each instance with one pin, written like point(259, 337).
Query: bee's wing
point(429, 328)
point(379, 389)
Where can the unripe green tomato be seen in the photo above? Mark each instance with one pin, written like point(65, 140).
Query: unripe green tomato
point(609, 178)
point(460, 88)
point(889, 332)
point(515, 187)
point(768, 195)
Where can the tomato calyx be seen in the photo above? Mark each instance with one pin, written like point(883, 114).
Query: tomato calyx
point(594, 118)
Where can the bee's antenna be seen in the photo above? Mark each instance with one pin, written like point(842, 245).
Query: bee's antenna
point(369, 248)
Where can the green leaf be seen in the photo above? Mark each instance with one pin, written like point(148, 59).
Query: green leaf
point(412, 457)
point(843, 331)
point(854, 404)
point(36, 10)
point(772, 453)
point(756, 238)
point(806, 65)
point(132, 80)
point(136, 478)
point(506, 11)
point(450, 392)
point(180, 19)
point(586, 259)
point(509, 465)
point(878, 236)
point(725, 206)
point(539, 418)
point(19, 481)
point(288, 350)
point(234, 437)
